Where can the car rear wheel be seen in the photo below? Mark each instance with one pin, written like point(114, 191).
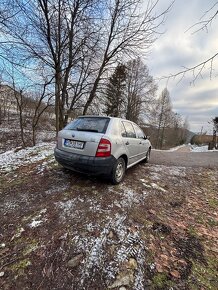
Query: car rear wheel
point(147, 158)
point(118, 171)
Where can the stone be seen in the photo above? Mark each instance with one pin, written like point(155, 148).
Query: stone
point(75, 261)
point(111, 235)
point(132, 263)
point(112, 249)
point(2, 274)
point(123, 279)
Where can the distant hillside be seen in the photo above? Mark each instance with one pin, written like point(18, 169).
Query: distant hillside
point(172, 137)
point(201, 139)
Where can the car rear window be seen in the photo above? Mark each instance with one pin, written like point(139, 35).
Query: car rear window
point(89, 124)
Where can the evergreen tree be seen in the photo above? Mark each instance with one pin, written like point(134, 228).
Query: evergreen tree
point(115, 92)
point(129, 91)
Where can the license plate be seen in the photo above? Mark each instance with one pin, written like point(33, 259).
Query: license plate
point(73, 144)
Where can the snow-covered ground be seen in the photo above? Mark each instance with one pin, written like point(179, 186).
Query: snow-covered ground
point(201, 149)
point(193, 148)
point(13, 159)
point(118, 232)
point(172, 149)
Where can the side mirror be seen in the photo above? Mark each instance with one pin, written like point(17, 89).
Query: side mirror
point(146, 137)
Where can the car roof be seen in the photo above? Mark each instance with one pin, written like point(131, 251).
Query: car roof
point(109, 117)
point(94, 116)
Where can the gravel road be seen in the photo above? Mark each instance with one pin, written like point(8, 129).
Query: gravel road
point(187, 159)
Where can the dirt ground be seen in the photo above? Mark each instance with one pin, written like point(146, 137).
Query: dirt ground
point(156, 230)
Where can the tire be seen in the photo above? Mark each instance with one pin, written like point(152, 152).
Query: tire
point(147, 158)
point(118, 171)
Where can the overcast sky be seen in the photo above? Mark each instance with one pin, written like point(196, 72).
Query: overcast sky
point(178, 48)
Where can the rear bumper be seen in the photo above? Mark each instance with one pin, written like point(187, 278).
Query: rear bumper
point(85, 164)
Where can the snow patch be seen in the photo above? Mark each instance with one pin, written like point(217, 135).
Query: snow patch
point(57, 189)
point(171, 149)
point(67, 208)
point(127, 244)
point(145, 183)
point(128, 198)
point(155, 186)
point(158, 168)
point(38, 220)
point(177, 171)
point(201, 149)
point(35, 223)
point(155, 176)
point(13, 159)
point(172, 170)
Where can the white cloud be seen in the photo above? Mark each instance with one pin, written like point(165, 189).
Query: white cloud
point(178, 48)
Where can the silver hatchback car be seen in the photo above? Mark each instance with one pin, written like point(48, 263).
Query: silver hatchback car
point(102, 146)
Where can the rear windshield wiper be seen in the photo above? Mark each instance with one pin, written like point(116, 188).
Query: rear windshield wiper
point(87, 130)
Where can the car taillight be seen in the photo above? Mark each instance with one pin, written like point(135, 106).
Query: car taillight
point(104, 148)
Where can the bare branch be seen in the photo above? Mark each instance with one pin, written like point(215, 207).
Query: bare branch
point(193, 69)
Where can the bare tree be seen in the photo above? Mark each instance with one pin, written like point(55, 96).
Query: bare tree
point(21, 104)
point(162, 116)
point(141, 89)
point(77, 40)
point(31, 103)
point(177, 133)
point(128, 30)
point(7, 102)
point(41, 103)
point(52, 32)
point(79, 84)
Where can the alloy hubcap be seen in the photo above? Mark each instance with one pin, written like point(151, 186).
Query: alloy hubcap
point(119, 171)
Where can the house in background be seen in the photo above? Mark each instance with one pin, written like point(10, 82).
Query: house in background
point(8, 104)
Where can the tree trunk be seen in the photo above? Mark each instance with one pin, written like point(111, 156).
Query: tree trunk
point(33, 135)
point(66, 117)
point(61, 115)
point(158, 133)
point(94, 89)
point(0, 115)
point(162, 137)
point(57, 101)
point(21, 127)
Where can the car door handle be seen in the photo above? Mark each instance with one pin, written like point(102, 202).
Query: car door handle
point(127, 143)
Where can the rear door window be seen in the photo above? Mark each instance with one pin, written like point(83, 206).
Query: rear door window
point(130, 133)
point(123, 130)
point(89, 124)
point(139, 132)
